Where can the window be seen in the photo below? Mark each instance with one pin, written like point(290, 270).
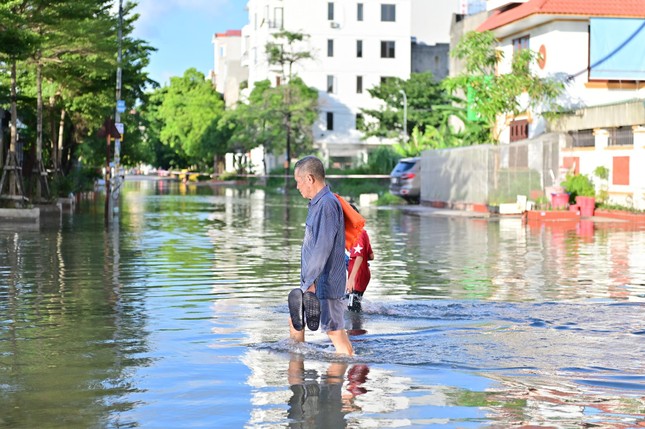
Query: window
point(359, 49)
point(388, 12)
point(621, 136)
point(330, 47)
point(520, 43)
point(387, 49)
point(278, 81)
point(620, 171)
point(330, 11)
point(360, 121)
point(330, 84)
point(384, 79)
point(330, 121)
point(278, 18)
point(582, 138)
point(519, 130)
point(359, 11)
point(359, 84)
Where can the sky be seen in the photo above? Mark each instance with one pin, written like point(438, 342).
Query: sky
point(182, 31)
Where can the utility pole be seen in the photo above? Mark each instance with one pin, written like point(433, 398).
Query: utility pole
point(405, 115)
point(117, 177)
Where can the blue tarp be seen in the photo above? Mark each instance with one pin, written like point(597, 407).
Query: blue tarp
point(617, 49)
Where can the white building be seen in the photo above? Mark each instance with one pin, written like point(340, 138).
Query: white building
point(573, 37)
point(354, 46)
point(597, 49)
point(228, 72)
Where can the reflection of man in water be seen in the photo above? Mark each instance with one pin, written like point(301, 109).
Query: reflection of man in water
point(323, 403)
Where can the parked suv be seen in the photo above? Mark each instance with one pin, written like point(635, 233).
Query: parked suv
point(405, 179)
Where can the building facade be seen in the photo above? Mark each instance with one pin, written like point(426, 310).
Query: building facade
point(354, 46)
point(596, 50)
point(228, 73)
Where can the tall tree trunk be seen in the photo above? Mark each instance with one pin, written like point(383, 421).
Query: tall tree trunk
point(53, 138)
point(59, 149)
point(14, 109)
point(1, 137)
point(39, 113)
point(38, 172)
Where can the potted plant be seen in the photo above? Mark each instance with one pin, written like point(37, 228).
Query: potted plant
point(581, 192)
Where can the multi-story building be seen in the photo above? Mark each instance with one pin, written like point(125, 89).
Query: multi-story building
point(354, 45)
point(228, 73)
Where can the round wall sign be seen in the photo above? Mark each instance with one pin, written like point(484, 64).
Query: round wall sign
point(542, 58)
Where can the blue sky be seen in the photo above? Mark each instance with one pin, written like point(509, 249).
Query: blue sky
point(182, 30)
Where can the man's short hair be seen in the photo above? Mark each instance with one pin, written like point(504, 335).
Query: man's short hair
point(311, 165)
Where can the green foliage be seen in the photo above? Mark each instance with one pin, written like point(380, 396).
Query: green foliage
point(72, 47)
point(432, 138)
point(287, 49)
point(578, 185)
point(620, 207)
point(189, 118)
point(601, 172)
point(382, 160)
point(491, 94)
point(424, 96)
point(387, 199)
point(271, 113)
point(78, 180)
point(354, 187)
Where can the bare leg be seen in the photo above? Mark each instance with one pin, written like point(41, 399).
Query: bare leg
point(340, 340)
point(298, 336)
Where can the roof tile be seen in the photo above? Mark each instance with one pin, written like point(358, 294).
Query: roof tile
point(610, 8)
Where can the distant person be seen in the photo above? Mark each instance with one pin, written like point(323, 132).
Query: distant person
point(358, 270)
point(319, 300)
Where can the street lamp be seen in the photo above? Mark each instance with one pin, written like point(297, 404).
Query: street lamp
point(405, 115)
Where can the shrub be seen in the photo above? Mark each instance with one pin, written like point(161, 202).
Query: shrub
point(578, 185)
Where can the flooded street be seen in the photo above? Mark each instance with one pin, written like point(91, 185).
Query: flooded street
point(176, 317)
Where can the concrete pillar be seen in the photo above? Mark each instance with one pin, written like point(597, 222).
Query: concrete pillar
point(602, 138)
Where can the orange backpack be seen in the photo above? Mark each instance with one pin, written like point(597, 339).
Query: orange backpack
point(354, 222)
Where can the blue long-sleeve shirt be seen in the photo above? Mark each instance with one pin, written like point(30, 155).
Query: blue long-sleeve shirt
point(323, 248)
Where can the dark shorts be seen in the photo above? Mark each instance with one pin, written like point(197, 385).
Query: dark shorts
point(332, 314)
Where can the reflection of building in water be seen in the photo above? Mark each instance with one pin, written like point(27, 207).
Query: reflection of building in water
point(511, 260)
point(238, 219)
point(567, 405)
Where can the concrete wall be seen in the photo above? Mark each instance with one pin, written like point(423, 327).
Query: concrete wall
point(456, 175)
point(490, 174)
point(431, 58)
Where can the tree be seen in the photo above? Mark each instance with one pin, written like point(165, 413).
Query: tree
point(262, 121)
point(425, 97)
point(17, 42)
point(285, 51)
point(66, 54)
point(192, 114)
point(490, 94)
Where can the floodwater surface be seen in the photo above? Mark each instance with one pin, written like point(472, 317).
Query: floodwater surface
point(176, 317)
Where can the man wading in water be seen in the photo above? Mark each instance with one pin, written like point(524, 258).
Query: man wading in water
point(322, 264)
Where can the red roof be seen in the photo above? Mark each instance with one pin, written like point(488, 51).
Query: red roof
point(229, 33)
point(609, 8)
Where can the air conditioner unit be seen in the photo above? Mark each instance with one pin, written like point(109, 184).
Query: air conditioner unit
point(334, 24)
